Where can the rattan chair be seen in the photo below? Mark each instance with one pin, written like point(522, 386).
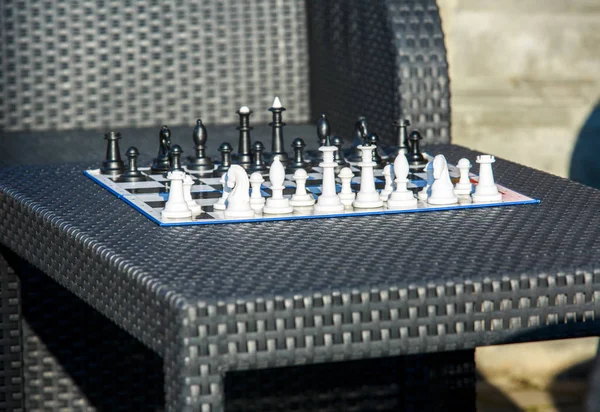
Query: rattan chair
point(71, 70)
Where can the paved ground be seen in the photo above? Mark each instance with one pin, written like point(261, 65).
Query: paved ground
point(525, 80)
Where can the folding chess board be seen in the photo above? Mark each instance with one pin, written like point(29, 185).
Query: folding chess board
point(150, 196)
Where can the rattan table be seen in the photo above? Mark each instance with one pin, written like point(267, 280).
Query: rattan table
point(333, 301)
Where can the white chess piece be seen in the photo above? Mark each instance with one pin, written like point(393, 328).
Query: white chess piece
point(222, 202)
point(194, 207)
point(328, 202)
point(367, 197)
point(238, 201)
point(426, 191)
point(401, 198)
point(464, 186)
point(301, 198)
point(277, 204)
point(442, 189)
point(346, 195)
point(257, 201)
point(176, 206)
point(388, 174)
point(486, 189)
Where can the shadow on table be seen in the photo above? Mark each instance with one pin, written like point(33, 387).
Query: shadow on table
point(585, 160)
point(75, 358)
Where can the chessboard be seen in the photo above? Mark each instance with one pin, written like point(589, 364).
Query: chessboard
point(150, 196)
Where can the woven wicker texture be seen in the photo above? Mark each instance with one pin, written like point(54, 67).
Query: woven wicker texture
point(77, 360)
point(238, 297)
point(354, 72)
point(83, 65)
point(11, 379)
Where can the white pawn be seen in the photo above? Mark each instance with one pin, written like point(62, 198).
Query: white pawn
point(257, 201)
point(388, 174)
point(238, 201)
point(301, 198)
point(401, 198)
point(346, 195)
point(176, 206)
point(464, 186)
point(194, 207)
point(426, 191)
point(277, 204)
point(486, 189)
point(221, 203)
point(442, 189)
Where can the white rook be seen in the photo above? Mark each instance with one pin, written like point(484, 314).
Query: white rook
point(176, 206)
point(486, 190)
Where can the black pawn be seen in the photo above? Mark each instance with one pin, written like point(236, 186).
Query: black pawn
point(161, 162)
point(298, 162)
point(225, 149)
point(202, 163)
point(416, 160)
point(112, 165)
point(258, 162)
point(374, 141)
point(132, 174)
point(175, 156)
point(338, 155)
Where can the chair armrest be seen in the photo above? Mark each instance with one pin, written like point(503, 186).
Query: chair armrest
point(380, 59)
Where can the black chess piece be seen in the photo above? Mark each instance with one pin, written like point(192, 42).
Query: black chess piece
point(202, 164)
point(258, 162)
point(298, 162)
point(361, 131)
point(416, 160)
point(277, 149)
point(175, 157)
point(244, 154)
point(132, 174)
point(323, 129)
point(401, 143)
point(338, 155)
point(373, 140)
point(112, 165)
point(225, 149)
point(161, 162)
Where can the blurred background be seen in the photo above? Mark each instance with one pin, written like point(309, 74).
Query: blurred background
point(525, 83)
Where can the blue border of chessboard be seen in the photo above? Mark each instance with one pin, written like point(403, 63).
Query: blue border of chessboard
point(263, 218)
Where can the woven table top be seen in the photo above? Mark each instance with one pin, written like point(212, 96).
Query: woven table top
point(359, 286)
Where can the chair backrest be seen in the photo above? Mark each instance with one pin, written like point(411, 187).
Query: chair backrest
point(124, 63)
point(117, 63)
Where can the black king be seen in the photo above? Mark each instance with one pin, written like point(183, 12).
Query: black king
point(277, 150)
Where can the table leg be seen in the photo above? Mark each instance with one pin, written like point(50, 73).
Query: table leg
point(11, 355)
